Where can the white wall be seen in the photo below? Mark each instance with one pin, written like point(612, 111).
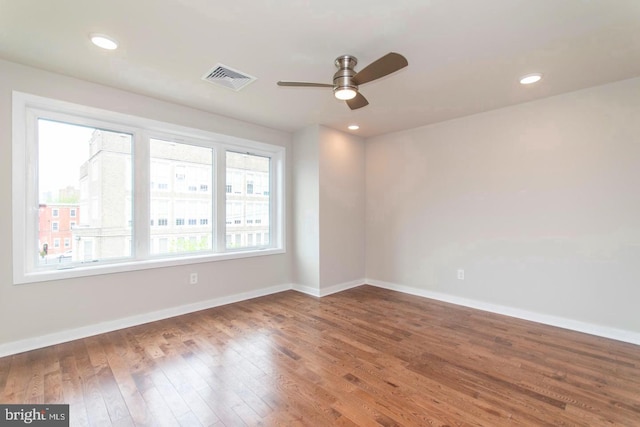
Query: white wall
point(342, 201)
point(34, 310)
point(306, 208)
point(329, 191)
point(539, 203)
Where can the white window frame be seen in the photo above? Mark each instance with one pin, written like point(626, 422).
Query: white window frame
point(28, 108)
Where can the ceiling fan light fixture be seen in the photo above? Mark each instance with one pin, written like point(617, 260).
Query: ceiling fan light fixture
point(345, 93)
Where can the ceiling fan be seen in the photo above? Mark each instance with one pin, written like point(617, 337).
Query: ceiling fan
point(346, 80)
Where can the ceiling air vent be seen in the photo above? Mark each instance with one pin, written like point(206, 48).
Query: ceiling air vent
point(228, 77)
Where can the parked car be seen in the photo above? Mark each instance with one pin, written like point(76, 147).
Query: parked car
point(64, 257)
point(67, 256)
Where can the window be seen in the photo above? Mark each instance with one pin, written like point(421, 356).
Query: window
point(180, 173)
point(246, 210)
point(134, 184)
point(187, 161)
point(83, 165)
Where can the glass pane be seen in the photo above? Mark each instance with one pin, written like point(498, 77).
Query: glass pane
point(181, 198)
point(247, 200)
point(85, 197)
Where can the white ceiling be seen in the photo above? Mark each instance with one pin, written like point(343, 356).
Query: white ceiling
point(465, 56)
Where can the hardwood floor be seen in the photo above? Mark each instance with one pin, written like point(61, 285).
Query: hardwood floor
point(362, 357)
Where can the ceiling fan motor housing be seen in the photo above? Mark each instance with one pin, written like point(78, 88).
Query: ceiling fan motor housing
point(343, 78)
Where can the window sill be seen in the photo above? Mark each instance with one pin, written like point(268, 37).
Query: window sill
point(80, 270)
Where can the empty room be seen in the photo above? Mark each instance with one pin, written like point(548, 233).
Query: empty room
point(319, 213)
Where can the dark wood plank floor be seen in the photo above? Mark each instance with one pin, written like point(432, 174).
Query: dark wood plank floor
point(362, 357)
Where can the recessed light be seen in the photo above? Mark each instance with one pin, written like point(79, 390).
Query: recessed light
point(530, 78)
point(353, 127)
point(104, 41)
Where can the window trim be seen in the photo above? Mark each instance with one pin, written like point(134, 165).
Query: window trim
point(25, 110)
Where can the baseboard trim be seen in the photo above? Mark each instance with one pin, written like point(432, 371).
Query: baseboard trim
point(341, 287)
point(561, 322)
point(330, 290)
point(28, 344)
point(314, 292)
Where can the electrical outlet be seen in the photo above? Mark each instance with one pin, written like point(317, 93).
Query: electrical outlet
point(193, 278)
point(460, 274)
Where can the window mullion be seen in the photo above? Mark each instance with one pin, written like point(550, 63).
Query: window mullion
point(276, 181)
point(141, 210)
point(220, 208)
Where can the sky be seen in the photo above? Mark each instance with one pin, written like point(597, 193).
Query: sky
point(63, 148)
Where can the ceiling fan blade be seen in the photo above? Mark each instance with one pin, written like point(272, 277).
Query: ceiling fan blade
point(358, 102)
point(304, 84)
point(381, 67)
